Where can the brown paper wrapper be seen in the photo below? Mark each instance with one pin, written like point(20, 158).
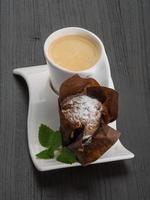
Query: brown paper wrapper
point(104, 137)
point(101, 141)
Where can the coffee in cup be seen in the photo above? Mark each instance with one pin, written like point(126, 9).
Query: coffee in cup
point(74, 52)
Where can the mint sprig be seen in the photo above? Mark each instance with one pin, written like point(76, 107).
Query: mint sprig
point(52, 140)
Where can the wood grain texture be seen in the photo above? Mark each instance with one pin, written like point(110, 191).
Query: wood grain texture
point(124, 27)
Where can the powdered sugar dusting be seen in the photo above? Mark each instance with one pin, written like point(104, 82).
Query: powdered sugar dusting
point(83, 111)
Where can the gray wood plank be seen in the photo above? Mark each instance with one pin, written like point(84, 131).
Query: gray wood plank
point(124, 27)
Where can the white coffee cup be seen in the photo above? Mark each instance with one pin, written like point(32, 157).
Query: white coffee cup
point(100, 71)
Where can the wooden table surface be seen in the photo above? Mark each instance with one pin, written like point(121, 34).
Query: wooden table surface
point(124, 27)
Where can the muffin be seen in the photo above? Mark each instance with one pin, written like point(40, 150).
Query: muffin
point(85, 109)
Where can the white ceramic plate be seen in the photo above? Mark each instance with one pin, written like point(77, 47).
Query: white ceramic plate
point(43, 108)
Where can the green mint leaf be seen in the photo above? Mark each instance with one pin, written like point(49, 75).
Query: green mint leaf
point(45, 135)
point(51, 152)
point(66, 156)
point(45, 154)
point(56, 140)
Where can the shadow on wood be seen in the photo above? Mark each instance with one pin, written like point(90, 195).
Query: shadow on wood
point(81, 176)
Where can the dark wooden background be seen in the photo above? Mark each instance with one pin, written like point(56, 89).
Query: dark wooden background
point(124, 27)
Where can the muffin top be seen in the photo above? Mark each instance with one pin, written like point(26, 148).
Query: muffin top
point(83, 112)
